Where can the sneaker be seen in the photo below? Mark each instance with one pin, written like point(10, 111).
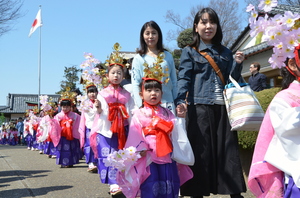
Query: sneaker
point(32, 149)
point(28, 148)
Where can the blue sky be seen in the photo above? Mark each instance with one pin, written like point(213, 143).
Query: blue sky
point(70, 28)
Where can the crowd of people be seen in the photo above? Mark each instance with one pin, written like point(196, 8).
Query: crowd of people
point(134, 119)
point(143, 114)
point(9, 135)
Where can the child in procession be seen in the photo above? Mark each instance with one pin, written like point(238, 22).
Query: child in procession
point(109, 132)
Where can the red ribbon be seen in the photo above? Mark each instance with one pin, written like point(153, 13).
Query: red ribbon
point(35, 127)
point(117, 115)
point(49, 139)
point(162, 129)
point(66, 128)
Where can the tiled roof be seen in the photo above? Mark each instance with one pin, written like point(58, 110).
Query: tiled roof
point(18, 103)
point(257, 49)
point(280, 9)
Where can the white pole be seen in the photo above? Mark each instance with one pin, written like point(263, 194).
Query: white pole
point(39, 65)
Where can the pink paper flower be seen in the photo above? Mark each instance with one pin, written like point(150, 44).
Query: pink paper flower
point(267, 5)
point(279, 31)
point(122, 159)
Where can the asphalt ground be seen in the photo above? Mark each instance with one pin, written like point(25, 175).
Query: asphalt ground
point(25, 173)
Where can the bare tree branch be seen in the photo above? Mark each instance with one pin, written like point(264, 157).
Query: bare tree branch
point(9, 12)
point(227, 12)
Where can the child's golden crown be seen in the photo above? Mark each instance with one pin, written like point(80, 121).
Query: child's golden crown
point(115, 57)
point(69, 95)
point(156, 72)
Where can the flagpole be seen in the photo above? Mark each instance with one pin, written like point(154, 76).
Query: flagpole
point(39, 65)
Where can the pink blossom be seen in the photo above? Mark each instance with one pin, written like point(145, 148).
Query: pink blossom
point(267, 5)
point(250, 7)
point(289, 18)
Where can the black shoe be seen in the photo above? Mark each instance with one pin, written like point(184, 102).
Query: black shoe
point(236, 196)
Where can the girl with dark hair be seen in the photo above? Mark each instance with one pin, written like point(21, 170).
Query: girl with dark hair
point(217, 167)
point(86, 123)
point(274, 170)
point(114, 109)
point(155, 174)
point(66, 138)
point(151, 45)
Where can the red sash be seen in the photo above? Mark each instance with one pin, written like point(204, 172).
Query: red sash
point(49, 139)
point(117, 115)
point(66, 128)
point(162, 129)
point(35, 127)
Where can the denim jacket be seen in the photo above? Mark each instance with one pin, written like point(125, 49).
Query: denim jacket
point(197, 77)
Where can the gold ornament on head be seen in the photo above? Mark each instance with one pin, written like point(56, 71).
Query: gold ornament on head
point(115, 57)
point(69, 95)
point(156, 72)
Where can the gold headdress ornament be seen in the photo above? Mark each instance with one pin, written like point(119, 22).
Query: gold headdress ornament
point(156, 72)
point(89, 84)
point(69, 95)
point(115, 57)
point(35, 111)
point(48, 106)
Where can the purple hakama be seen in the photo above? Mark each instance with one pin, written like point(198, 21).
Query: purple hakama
point(88, 152)
point(68, 152)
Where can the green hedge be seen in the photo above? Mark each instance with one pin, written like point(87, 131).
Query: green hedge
point(247, 139)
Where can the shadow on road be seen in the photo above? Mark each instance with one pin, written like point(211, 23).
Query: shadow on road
point(33, 192)
point(15, 175)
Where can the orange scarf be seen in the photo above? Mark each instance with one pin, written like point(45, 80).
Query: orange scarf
point(117, 115)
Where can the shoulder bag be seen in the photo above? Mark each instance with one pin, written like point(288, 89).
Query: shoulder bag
point(243, 108)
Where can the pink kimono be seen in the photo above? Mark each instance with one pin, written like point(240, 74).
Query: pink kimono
point(276, 144)
point(157, 142)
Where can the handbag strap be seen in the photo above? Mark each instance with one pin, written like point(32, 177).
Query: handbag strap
point(212, 63)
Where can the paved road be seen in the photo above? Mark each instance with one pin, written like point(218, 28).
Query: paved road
point(25, 173)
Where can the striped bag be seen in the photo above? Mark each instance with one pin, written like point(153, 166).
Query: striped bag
point(243, 108)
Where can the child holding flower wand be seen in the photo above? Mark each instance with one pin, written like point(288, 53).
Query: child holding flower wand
point(109, 131)
point(90, 78)
point(154, 173)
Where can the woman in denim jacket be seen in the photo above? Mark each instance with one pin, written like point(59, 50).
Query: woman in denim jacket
point(217, 167)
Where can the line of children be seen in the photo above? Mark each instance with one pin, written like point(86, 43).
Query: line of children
point(104, 127)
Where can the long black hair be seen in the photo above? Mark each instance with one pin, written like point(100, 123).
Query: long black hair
point(287, 78)
point(143, 45)
point(213, 17)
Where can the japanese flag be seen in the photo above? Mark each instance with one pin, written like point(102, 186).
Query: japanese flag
point(36, 23)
